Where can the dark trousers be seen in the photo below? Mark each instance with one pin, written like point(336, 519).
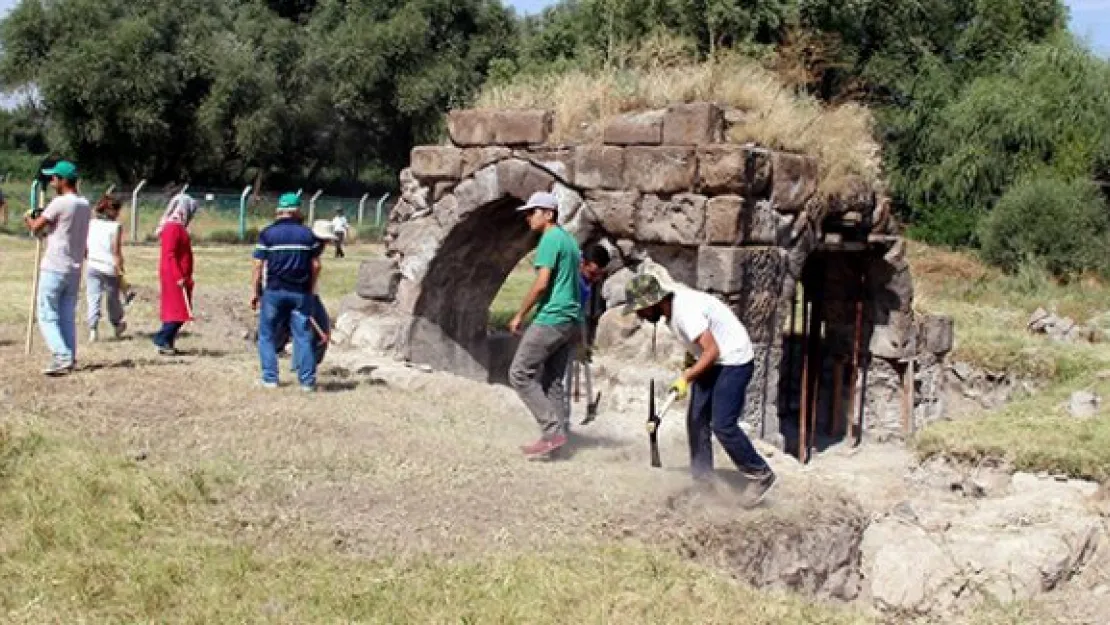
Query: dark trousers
point(339, 236)
point(716, 405)
point(168, 334)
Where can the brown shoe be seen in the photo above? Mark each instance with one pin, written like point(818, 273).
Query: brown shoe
point(544, 447)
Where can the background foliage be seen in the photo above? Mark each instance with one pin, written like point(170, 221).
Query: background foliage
point(972, 99)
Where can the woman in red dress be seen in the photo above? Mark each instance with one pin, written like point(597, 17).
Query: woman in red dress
point(175, 271)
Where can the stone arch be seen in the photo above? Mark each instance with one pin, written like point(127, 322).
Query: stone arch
point(737, 221)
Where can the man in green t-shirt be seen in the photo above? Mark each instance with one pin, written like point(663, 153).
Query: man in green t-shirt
point(537, 370)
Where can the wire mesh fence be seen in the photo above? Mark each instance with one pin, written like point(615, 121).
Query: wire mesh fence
point(226, 215)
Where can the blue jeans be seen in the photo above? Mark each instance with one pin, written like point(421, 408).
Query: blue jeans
point(58, 312)
point(716, 406)
point(167, 336)
point(277, 311)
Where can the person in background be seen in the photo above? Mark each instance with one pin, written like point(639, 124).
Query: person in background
point(175, 271)
point(104, 270)
point(285, 269)
point(719, 377)
point(541, 360)
point(340, 226)
point(67, 220)
point(3, 209)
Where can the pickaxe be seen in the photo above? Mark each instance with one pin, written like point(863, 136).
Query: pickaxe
point(655, 420)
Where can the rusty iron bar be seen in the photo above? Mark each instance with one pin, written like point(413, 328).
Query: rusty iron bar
point(858, 374)
point(836, 424)
point(803, 408)
point(788, 357)
point(815, 335)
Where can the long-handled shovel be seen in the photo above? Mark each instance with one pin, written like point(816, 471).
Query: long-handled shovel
point(653, 422)
point(39, 202)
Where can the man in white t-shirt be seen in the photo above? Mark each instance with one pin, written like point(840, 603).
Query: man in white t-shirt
point(66, 222)
point(340, 226)
point(719, 376)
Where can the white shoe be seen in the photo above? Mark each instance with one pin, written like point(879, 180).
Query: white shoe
point(93, 335)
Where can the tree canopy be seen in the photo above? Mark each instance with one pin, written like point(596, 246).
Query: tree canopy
point(971, 97)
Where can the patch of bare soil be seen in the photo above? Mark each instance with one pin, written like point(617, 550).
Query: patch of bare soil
point(391, 461)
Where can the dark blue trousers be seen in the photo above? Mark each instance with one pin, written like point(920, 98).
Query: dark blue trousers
point(716, 405)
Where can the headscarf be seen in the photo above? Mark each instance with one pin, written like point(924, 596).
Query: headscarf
point(181, 209)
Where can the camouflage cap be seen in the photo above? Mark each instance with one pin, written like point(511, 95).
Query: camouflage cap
point(644, 291)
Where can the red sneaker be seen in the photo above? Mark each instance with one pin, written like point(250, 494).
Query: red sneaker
point(544, 447)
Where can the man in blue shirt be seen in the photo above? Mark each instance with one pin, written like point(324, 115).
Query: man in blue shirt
point(286, 266)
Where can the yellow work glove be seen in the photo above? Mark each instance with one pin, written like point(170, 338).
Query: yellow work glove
point(681, 388)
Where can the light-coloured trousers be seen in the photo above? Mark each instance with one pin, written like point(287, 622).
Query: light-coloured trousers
point(58, 312)
point(98, 287)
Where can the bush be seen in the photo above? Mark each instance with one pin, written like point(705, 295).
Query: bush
point(1064, 225)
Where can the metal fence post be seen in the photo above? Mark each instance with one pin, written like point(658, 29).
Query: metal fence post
point(243, 213)
point(362, 208)
point(312, 207)
point(135, 211)
point(378, 211)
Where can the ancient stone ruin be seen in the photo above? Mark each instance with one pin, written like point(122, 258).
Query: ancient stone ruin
point(820, 279)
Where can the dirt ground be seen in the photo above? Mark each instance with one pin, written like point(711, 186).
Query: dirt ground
point(387, 461)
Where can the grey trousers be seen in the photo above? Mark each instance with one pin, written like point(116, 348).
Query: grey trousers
point(538, 372)
point(98, 287)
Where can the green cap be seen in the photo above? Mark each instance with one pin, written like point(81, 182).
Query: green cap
point(62, 169)
point(289, 202)
point(644, 291)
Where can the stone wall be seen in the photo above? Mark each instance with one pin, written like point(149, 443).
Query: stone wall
point(738, 221)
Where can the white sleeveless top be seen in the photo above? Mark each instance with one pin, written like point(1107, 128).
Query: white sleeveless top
point(102, 233)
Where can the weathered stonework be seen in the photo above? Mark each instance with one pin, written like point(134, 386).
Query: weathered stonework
point(667, 196)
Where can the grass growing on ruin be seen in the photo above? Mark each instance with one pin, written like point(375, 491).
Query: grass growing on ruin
point(1033, 434)
point(88, 537)
point(665, 72)
point(991, 311)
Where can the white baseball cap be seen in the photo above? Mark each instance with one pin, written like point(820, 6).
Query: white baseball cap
point(542, 200)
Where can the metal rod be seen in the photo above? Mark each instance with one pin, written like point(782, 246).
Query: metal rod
point(135, 211)
point(312, 206)
point(243, 213)
point(907, 399)
point(378, 211)
point(858, 373)
point(362, 208)
point(818, 368)
point(803, 408)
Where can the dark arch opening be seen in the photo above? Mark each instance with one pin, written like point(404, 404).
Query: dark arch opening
point(451, 316)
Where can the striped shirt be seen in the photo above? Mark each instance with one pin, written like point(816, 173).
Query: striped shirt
point(287, 248)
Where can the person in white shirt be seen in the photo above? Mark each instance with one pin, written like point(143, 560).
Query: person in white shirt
point(104, 269)
point(340, 226)
point(719, 377)
point(65, 223)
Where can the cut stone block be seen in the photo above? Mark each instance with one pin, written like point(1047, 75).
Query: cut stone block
point(435, 162)
point(659, 169)
point(639, 129)
point(693, 124)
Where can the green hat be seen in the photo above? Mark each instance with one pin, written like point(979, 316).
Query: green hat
point(289, 202)
point(62, 169)
point(644, 291)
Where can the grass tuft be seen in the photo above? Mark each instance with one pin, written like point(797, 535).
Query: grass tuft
point(776, 115)
point(87, 537)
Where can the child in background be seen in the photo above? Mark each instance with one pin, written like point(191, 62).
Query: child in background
point(340, 226)
point(104, 271)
